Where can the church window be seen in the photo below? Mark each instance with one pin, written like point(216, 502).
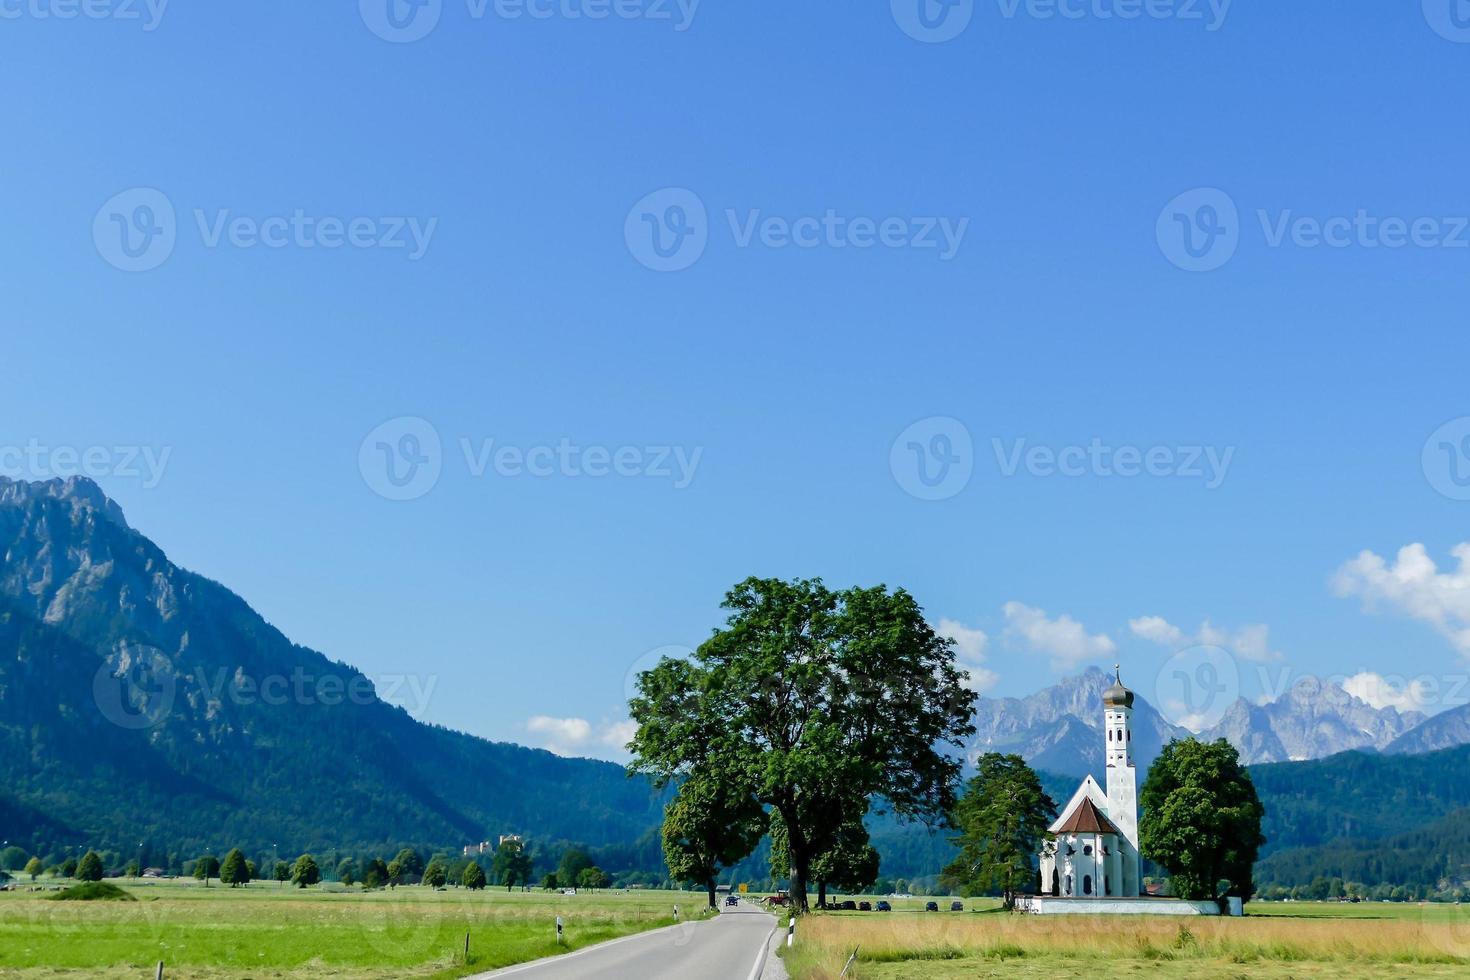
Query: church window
point(1087, 884)
point(1087, 850)
point(1110, 736)
point(1069, 885)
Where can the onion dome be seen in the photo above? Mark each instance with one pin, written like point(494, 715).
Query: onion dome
point(1118, 696)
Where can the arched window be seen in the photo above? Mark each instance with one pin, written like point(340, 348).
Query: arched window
point(1069, 886)
point(1110, 735)
point(1087, 850)
point(1087, 884)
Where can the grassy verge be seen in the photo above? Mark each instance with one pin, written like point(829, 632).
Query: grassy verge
point(265, 931)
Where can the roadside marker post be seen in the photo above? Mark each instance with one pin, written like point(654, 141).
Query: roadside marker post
point(676, 914)
point(558, 930)
point(159, 974)
point(791, 931)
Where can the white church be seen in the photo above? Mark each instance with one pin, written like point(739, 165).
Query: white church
point(1094, 852)
point(1090, 863)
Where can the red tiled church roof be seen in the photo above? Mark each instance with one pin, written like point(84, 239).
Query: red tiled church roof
point(1087, 819)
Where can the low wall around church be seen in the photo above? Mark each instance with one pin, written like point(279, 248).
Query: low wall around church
point(1047, 905)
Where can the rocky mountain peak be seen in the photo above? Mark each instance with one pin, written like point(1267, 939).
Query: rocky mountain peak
point(79, 492)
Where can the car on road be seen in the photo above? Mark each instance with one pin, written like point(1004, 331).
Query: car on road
point(931, 906)
point(732, 900)
point(884, 907)
point(956, 906)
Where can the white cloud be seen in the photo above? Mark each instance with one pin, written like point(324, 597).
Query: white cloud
point(1414, 586)
point(1064, 639)
point(1249, 642)
point(1380, 692)
point(970, 645)
point(618, 735)
point(580, 738)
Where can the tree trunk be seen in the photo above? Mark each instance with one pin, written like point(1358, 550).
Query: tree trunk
point(710, 886)
point(801, 861)
point(821, 894)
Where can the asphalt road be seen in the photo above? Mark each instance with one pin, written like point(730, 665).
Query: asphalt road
point(731, 947)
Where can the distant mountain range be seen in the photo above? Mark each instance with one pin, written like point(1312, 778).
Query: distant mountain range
point(1059, 728)
point(142, 702)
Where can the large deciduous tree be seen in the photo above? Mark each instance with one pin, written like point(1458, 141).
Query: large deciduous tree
point(233, 871)
point(305, 871)
point(1002, 819)
point(707, 826)
point(90, 868)
point(1201, 819)
point(813, 702)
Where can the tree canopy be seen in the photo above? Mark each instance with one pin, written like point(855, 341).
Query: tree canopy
point(233, 871)
point(707, 826)
point(1002, 819)
point(812, 702)
point(90, 867)
point(305, 872)
point(1201, 819)
point(473, 877)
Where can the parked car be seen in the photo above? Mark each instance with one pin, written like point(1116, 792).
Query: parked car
point(884, 907)
point(865, 906)
point(849, 906)
point(931, 906)
point(956, 906)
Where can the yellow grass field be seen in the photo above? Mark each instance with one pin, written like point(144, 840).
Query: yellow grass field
point(1278, 941)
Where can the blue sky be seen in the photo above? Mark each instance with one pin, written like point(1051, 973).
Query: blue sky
point(1067, 156)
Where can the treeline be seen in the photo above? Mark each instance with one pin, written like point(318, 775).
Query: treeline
point(1432, 862)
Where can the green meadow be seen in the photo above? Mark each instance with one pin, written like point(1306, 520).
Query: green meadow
point(265, 930)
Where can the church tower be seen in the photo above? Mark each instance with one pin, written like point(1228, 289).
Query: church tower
point(1122, 777)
